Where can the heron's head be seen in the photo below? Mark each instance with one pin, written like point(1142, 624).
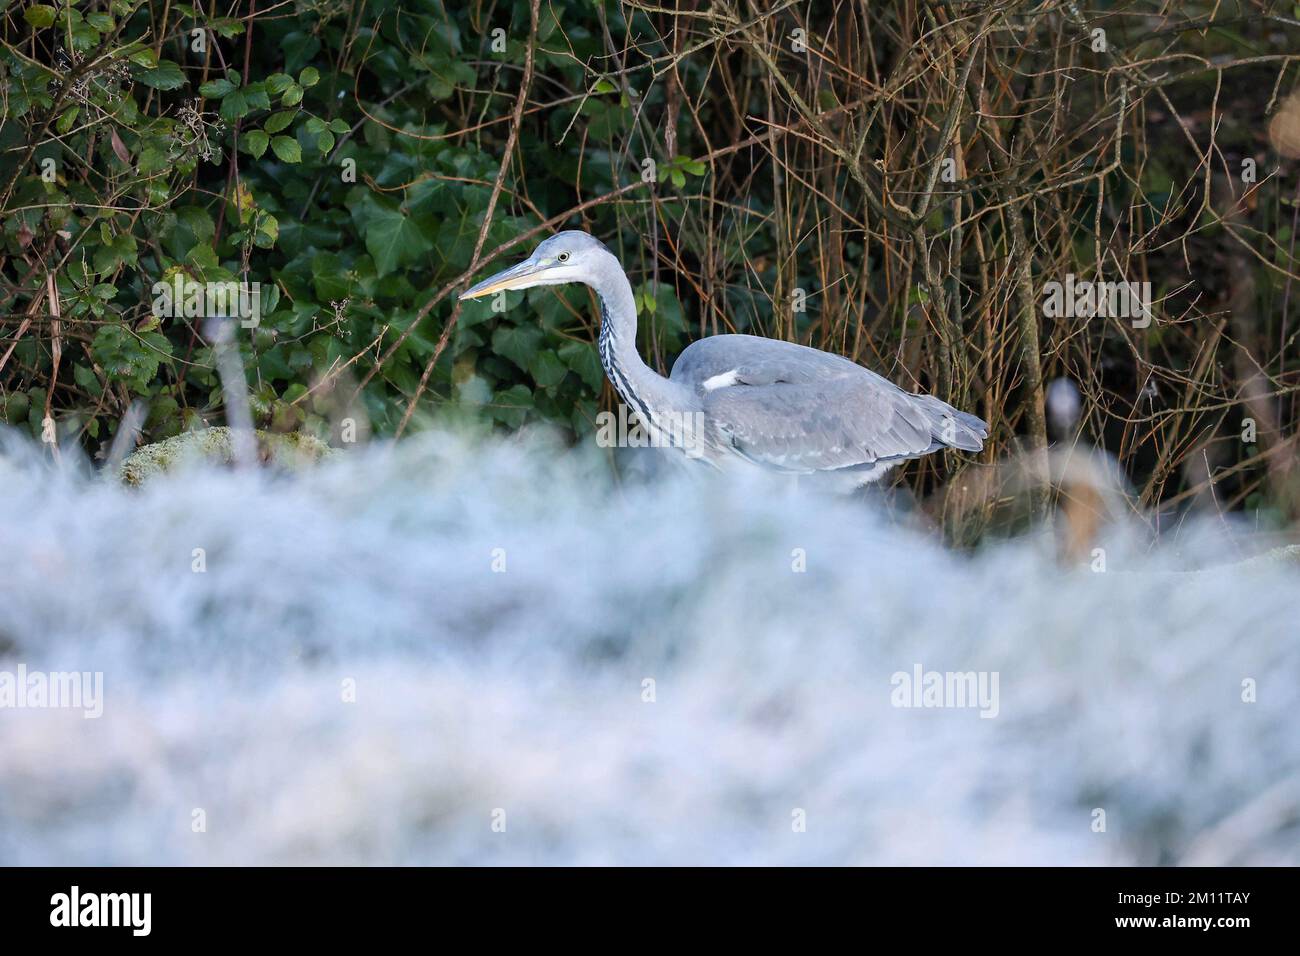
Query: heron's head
point(565, 257)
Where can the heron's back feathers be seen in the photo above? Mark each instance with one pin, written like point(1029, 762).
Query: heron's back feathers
point(792, 408)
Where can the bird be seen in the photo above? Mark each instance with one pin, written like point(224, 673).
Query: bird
point(745, 401)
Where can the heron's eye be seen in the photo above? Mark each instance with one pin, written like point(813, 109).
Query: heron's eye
point(563, 257)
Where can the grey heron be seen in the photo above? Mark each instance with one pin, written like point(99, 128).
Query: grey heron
point(743, 398)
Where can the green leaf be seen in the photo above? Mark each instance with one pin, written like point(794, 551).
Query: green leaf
point(277, 83)
point(165, 76)
point(66, 120)
point(234, 106)
point(215, 89)
point(299, 47)
point(203, 258)
point(128, 356)
point(227, 27)
point(199, 221)
point(269, 226)
point(325, 142)
point(268, 230)
point(547, 370)
point(84, 36)
point(292, 96)
point(583, 358)
point(152, 160)
point(517, 343)
point(339, 126)
point(255, 142)
point(309, 77)
point(257, 98)
point(118, 250)
point(85, 378)
point(329, 277)
point(667, 310)
point(40, 16)
point(100, 21)
point(278, 121)
point(391, 237)
point(144, 57)
point(287, 149)
point(512, 406)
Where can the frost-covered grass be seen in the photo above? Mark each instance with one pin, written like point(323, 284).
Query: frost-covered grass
point(523, 689)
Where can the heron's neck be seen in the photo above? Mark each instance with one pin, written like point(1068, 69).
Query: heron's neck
point(643, 389)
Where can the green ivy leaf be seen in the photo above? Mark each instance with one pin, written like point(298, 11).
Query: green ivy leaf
point(583, 358)
point(517, 343)
point(547, 370)
point(511, 407)
point(391, 236)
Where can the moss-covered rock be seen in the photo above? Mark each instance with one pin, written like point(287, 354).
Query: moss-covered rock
point(213, 445)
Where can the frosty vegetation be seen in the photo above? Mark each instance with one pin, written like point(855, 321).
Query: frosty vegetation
point(451, 653)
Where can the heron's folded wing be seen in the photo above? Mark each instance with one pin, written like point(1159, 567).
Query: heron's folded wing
point(817, 425)
point(709, 362)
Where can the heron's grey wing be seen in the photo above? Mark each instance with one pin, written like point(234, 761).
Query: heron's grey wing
point(837, 423)
point(765, 362)
point(798, 409)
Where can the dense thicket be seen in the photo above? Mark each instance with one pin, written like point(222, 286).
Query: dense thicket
point(899, 182)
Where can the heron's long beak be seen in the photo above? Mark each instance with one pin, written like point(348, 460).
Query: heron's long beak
point(516, 277)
